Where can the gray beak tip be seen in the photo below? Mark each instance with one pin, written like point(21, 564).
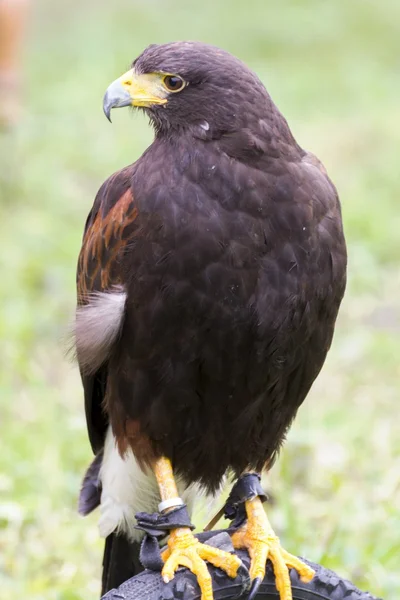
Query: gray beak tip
point(107, 112)
point(108, 104)
point(115, 97)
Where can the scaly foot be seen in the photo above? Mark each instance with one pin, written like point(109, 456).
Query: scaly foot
point(186, 551)
point(261, 542)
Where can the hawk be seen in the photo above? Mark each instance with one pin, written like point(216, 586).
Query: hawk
point(209, 281)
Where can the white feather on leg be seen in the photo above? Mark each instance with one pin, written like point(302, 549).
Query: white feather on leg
point(126, 490)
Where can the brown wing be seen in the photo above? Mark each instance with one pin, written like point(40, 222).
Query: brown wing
point(106, 233)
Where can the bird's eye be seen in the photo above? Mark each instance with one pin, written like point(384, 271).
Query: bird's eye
point(173, 83)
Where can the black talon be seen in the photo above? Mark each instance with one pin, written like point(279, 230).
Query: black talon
point(254, 588)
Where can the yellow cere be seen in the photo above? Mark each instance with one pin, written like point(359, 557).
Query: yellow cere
point(145, 89)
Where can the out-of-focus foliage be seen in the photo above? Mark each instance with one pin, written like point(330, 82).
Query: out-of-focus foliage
point(332, 68)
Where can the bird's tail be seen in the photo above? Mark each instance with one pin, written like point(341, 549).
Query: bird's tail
point(120, 561)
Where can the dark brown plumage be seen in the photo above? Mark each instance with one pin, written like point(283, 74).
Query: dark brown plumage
point(227, 238)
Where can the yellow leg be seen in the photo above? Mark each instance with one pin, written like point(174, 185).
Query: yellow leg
point(261, 542)
point(183, 548)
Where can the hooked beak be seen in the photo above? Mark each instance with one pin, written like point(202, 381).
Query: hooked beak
point(134, 89)
point(115, 97)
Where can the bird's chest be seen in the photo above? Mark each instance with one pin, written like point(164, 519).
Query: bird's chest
point(212, 234)
point(200, 237)
point(201, 213)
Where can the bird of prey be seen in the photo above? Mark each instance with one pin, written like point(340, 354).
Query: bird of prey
point(209, 282)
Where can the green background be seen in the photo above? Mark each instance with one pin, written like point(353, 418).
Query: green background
point(333, 69)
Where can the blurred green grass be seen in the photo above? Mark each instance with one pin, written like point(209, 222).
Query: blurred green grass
point(332, 68)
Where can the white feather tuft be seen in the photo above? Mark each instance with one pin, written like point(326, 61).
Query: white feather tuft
point(97, 327)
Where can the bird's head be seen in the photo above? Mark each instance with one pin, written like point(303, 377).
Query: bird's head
point(190, 86)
